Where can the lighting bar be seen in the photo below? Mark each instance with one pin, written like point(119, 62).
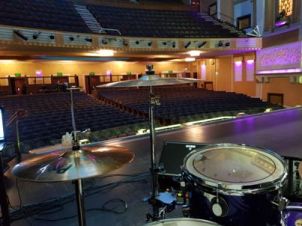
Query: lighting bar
point(280, 71)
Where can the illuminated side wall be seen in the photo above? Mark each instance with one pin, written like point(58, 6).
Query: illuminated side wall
point(29, 68)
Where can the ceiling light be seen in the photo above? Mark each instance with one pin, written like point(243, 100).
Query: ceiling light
point(194, 53)
point(105, 52)
point(190, 59)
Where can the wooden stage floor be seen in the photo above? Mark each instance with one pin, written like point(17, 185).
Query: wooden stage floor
point(279, 131)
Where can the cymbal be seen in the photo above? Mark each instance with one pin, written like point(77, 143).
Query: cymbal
point(89, 161)
point(150, 80)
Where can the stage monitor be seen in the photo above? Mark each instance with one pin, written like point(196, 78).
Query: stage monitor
point(1, 126)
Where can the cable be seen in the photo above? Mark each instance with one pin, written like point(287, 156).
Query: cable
point(55, 205)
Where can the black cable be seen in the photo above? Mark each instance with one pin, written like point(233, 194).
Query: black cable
point(103, 208)
point(55, 205)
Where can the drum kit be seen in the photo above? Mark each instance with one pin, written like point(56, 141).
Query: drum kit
point(228, 184)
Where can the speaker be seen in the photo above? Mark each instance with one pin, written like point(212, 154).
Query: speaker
point(173, 155)
point(171, 161)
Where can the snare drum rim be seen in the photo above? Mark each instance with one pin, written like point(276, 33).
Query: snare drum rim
point(183, 219)
point(222, 187)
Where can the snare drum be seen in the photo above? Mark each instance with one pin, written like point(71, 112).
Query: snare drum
point(182, 222)
point(235, 185)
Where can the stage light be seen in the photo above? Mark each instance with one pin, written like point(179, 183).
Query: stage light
point(194, 53)
point(201, 44)
point(164, 43)
point(51, 37)
point(227, 44)
point(71, 38)
point(149, 43)
point(189, 59)
point(220, 44)
point(105, 52)
point(104, 41)
point(20, 35)
point(173, 45)
point(188, 44)
point(88, 39)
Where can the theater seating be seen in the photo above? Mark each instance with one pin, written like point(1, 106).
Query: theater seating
point(49, 116)
point(158, 23)
point(47, 14)
point(180, 104)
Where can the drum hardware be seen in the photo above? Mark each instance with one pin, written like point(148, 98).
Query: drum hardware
point(74, 164)
point(150, 80)
point(183, 222)
point(235, 185)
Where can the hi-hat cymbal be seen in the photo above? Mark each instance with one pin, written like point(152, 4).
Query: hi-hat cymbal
point(150, 80)
point(89, 161)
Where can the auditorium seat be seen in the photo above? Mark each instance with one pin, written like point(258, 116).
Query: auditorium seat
point(47, 14)
point(49, 115)
point(178, 102)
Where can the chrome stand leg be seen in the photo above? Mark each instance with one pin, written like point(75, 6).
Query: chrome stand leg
point(80, 202)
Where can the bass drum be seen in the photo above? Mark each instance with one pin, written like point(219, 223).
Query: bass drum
point(292, 215)
point(235, 185)
point(182, 222)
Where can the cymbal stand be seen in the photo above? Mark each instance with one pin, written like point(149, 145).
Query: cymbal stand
point(153, 101)
point(78, 183)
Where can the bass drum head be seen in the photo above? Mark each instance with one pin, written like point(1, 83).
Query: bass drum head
point(235, 168)
point(182, 222)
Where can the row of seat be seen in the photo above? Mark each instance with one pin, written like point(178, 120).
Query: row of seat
point(176, 103)
point(47, 14)
point(49, 116)
point(62, 15)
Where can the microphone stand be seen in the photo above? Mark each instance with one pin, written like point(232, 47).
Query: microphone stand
point(78, 183)
point(3, 195)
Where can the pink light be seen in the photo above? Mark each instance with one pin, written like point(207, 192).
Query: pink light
point(281, 71)
point(39, 73)
point(203, 66)
point(280, 23)
point(238, 63)
point(108, 72)
point(250, 61)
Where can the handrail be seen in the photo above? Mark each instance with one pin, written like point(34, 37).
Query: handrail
point(110, 29)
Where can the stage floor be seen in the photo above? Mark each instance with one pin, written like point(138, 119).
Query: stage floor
point(279, 131)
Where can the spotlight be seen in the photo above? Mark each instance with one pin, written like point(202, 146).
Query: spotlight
point(227, 44)
point(71, 38)
point(173, 45)
point(150, 43)
point(51, 37)
point(164, 43)
point(125, 42)
point(137, 42)
point(201, 44)
point(104, 42)
point(20, 35)
point(220, 44)
point(188, 44)
point(88, 39)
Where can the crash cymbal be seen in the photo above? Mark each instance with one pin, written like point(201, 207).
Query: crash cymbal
point(150, 80)
point(89, 161)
